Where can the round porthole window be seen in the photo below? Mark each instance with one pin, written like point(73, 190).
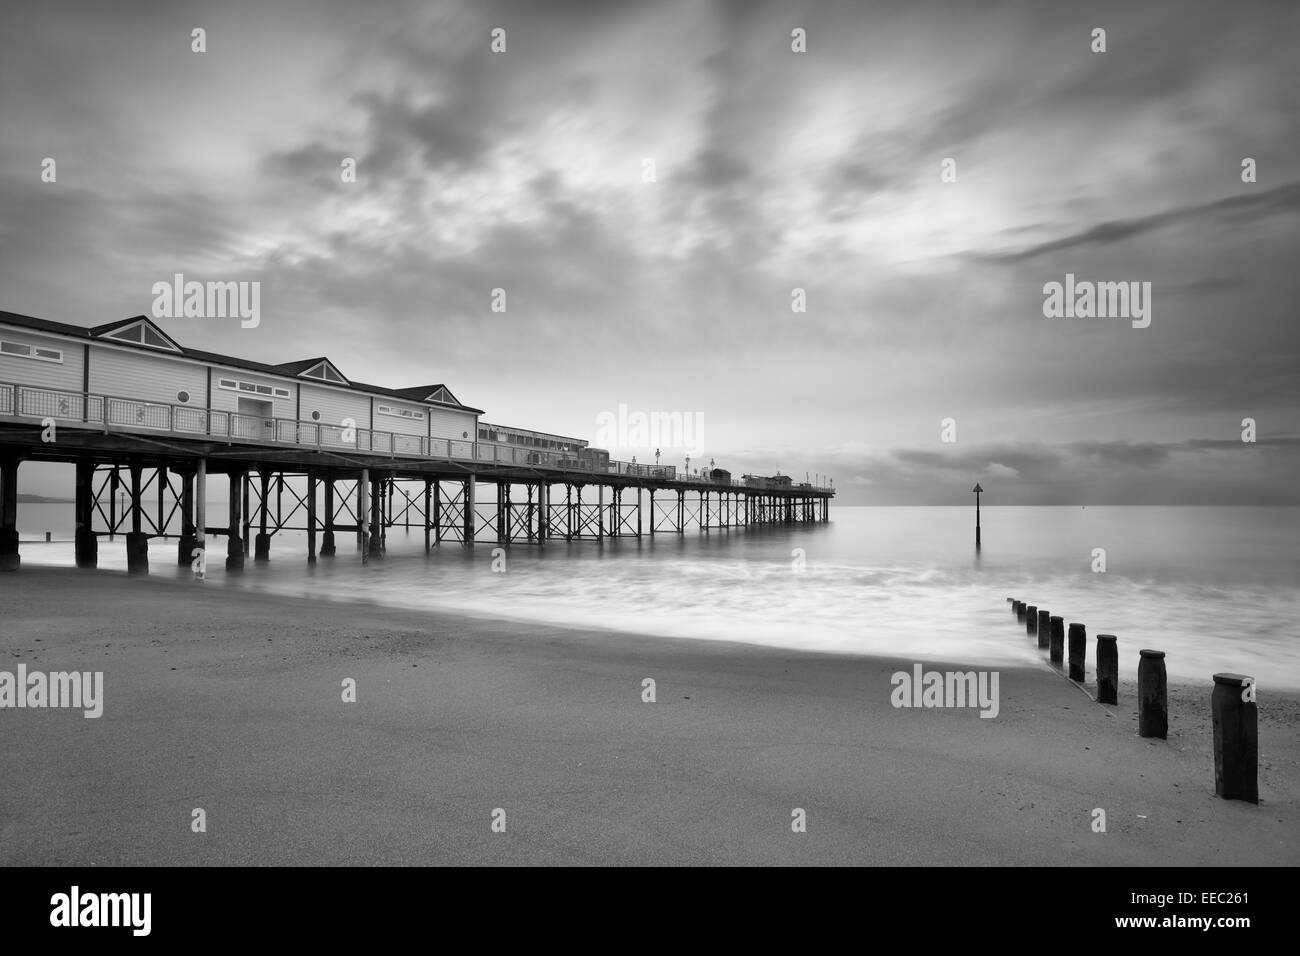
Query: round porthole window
point(183, 397)
point(315, 416)
point(464, 434)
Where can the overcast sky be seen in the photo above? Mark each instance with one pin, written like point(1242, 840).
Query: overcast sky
point(774, 170)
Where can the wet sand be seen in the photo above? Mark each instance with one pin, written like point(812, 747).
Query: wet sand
point(232, 702)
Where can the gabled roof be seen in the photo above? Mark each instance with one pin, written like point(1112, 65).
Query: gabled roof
point(421, 394)
point(319, 368)
point(137, 330)
point(439, 394)
point(294, 368)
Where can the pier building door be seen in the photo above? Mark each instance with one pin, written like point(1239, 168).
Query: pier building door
point(256, 420)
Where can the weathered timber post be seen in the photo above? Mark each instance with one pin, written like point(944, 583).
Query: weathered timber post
point(1078, 650)
point(1107, 669)
point(1236, 737)
point(1153, 695)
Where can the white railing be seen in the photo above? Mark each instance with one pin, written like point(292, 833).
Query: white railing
point(115, 413)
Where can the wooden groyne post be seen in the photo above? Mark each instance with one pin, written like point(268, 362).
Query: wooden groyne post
point(1107, 669)
point(1153, 695)
point(1031, 620)
point(1078, 650)
point(1056, 644)
point(1236, 737)
point(1044, 627)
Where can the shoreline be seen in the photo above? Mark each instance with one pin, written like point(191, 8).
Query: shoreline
point(234, 706)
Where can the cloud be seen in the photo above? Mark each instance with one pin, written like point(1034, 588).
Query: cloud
point(776, 170)
point(1283, 199)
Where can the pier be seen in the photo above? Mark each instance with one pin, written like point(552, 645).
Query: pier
point(146, 423)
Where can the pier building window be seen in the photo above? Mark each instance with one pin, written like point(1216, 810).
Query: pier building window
point(23, 350)
point(183, 397)
point(252, 388)
point(394, 412)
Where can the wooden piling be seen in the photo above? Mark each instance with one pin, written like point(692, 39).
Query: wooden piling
point(235, 544)
point(1107, 669)
point(137, 542)
point(246, 479)
point(262, 544)
point(469, 511)
point(85, 543)
point(543, 511)
point(200, 517)
point(437, 512)
point(376, 542)
point(311, 517)
point(1031, 619)
point(1056, 646)
point(186, 544)
point(9, 557)
point(363, 515)
point(1022, 610)
point(1236, 737)
point(1153, 695)
point(428, 495)
point(327, 549)
point(1044, 627)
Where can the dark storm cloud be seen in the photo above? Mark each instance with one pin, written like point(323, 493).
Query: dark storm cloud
point(1281, 200)
point(1207, 286)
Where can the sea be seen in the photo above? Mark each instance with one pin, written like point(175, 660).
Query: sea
point(1216, 588)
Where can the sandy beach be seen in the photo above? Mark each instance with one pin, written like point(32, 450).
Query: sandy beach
point(232, 702)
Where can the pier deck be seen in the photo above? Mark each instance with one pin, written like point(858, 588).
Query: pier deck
point(125, 448)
